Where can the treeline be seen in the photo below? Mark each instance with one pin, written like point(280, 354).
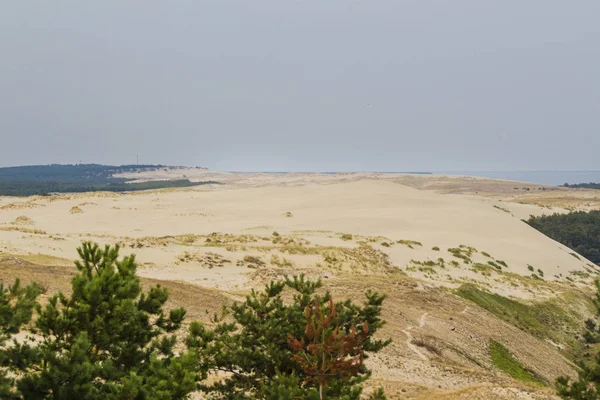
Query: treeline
point(110, 339)
point(580, 231)
point(591, 185)
point(30, 188)
point(45, 179)
point(93, 173)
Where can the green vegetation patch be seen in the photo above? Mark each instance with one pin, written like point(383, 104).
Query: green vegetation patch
point(544, 319)
point(506, 362)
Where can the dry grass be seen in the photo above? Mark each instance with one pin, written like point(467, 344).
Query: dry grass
point(22, 220)
point(24, 230)
point(75, 210)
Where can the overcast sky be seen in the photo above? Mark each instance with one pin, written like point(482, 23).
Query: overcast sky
point(309, 85)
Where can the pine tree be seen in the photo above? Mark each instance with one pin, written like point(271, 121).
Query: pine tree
point(109, 339)
point(16, 308)
point(251, 344)
point(328, 353)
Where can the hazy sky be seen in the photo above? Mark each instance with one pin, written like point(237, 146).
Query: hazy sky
point(308, 85)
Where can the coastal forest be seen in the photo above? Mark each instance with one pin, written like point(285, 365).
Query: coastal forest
point(591, 185)
point(580, 231)
point(77, 178)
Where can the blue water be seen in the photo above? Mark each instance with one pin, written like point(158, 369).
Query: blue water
point(541, 177)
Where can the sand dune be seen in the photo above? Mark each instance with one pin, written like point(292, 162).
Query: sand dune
point(319, 213)
point(391, 233)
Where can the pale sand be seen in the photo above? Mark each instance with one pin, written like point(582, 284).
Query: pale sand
point(377, 209)
point(323, 206)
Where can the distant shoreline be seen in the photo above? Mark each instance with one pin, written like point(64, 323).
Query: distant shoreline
point(552, 178)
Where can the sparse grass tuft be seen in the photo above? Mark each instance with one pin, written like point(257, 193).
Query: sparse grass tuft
point(502, 209)
point(253, 260)
point(346, 236)
point(463, 254)
point(493, 264)
point(24, 230)
point(281, 262)
point(482, 269)
point(435, 248)
point(75, 210)
point(23, 220)
point(540, 272)
point(409, 243)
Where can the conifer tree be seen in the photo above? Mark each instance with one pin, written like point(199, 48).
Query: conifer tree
point(16, 308)
point(251, 344)
point(108, 339)
point(328, 353)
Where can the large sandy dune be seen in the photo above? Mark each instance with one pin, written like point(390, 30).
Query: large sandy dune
point(356, 231)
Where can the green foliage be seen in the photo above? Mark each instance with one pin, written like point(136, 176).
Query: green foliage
point(591, 185)
point(542, 319)
point(325, 352)
point(44, 179)
point(587, 385)
point(250, 342)
point(506, 362)
point(580, 231)
point(16, 309)
point(108, 340)
point(111, 340)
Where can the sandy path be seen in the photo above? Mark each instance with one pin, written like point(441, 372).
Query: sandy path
point(409, 338)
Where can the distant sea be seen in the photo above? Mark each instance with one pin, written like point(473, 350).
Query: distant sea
point(541, 177)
